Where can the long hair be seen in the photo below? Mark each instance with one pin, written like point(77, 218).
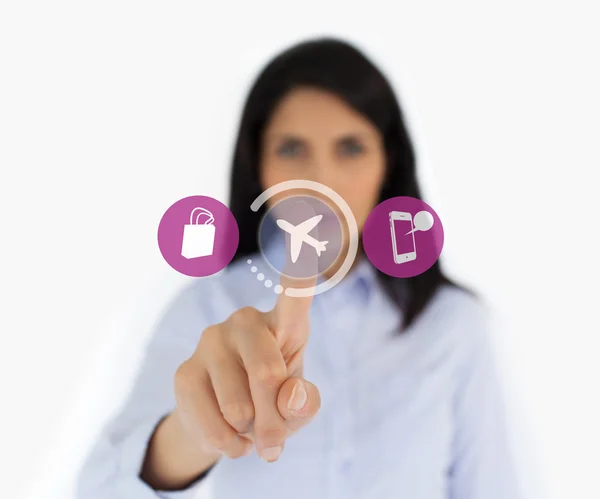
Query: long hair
point(338, 67)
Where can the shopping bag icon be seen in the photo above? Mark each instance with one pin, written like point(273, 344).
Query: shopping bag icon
point(198, 238)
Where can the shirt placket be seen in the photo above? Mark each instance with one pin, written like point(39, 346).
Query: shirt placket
point(339, 334)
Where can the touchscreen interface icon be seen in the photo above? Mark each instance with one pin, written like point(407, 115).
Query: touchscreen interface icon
point(403, 236)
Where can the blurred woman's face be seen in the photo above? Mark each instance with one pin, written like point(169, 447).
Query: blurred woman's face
point(314, 135)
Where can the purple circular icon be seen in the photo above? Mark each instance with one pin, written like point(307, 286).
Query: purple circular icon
point(198, 236)
point(403, 236)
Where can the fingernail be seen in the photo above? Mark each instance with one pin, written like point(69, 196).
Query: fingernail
point(298, 397)
point(271, 453)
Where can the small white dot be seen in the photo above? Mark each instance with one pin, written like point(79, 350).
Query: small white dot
point(268, 283)
point(260, 277)
point(253, 269)
point(278, 289)
point(249, 261)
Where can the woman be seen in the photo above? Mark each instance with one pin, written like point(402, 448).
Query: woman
point(402, 400)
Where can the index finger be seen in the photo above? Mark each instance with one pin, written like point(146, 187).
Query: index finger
point(300, 273)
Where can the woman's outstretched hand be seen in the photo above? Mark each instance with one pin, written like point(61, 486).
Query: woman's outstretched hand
point(241, 389)
point(244, 385)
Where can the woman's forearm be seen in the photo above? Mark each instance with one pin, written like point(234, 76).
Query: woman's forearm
point(171, 462)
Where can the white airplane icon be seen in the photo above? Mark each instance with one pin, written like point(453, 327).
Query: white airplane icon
point(300, 235)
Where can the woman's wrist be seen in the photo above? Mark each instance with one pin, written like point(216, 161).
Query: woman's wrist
point(173, 460)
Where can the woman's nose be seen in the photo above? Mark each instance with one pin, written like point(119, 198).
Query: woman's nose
point(323, 171)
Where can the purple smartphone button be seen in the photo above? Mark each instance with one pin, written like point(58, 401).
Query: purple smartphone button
point(403, 236)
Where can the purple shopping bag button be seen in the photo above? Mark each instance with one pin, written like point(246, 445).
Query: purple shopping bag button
point(198, 236)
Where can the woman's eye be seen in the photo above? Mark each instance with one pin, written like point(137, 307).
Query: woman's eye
point(290, 149)
point(351, 148)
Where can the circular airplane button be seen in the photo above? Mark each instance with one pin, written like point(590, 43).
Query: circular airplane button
point(403, 236)
point(312, 233)
point(198, 236)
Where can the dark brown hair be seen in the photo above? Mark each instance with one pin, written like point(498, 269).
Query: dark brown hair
point(340, 68)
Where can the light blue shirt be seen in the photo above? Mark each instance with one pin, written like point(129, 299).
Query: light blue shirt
point(416, 415)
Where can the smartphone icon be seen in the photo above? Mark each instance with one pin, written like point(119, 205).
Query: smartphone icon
point(403, 243)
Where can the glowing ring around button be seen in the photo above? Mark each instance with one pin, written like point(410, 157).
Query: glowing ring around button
point(348, 216)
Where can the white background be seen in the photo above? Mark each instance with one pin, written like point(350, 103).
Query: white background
point(111, 111)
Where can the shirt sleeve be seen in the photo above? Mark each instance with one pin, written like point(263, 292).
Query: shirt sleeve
point(482, 464)
point(112, 469)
